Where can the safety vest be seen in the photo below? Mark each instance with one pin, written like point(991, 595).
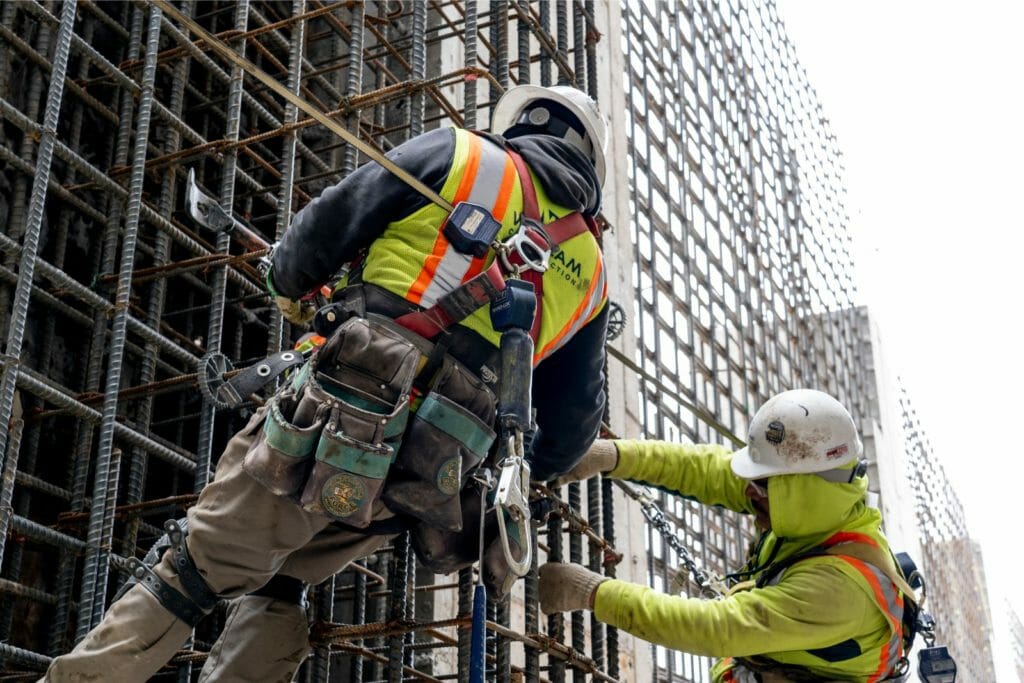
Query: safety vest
point(875, 580)
point(413, 259)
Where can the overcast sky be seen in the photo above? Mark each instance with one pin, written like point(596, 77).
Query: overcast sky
point(926, 100)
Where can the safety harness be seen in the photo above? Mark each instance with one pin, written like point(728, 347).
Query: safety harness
point(892, 594)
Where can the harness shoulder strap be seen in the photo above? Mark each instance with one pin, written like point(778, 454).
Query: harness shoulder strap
point(479, 290)
point(877, 559)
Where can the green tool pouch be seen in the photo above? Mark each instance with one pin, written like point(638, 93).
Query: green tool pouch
point(365, 372)
point(280, 457)
point(448, 436)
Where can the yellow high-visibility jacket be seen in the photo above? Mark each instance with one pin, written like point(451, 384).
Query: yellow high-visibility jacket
point(836, 617)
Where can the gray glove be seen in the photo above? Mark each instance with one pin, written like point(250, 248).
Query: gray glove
point(567, 587)
point(601, 457)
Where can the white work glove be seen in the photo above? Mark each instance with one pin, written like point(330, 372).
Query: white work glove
point(567, 587)
point(295, 312)
point(601, 457)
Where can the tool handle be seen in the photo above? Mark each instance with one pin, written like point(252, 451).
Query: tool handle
point(477, 655)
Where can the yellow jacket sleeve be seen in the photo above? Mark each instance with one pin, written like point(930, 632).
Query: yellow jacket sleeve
point(814, 606)
point(701, 472)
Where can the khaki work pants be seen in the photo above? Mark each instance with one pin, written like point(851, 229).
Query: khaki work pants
point(240, 536)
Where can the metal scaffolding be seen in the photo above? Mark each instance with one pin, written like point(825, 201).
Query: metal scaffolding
point(118, 307)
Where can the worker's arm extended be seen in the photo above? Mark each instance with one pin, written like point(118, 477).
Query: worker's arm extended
point(815, 606)
point(697, 471)
point(332, 229)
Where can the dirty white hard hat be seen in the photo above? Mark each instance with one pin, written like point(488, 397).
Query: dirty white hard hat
point(801, 431)
point(509, 110)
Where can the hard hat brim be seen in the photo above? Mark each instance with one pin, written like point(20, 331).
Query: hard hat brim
point(743, 466)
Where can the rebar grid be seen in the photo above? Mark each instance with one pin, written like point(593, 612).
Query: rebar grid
point(742, 263)
point(111, 295)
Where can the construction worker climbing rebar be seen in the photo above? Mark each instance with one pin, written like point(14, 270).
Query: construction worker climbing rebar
point(382, 430)
point(820, 598)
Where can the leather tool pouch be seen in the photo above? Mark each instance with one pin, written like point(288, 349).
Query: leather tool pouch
point(280, 457)
point(448, 436)
point(366, 371)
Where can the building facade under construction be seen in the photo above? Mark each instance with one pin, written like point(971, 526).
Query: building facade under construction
point(724, 230)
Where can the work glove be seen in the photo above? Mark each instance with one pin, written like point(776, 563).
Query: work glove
point(295, 312)
point(601, 457)
point(567, 587)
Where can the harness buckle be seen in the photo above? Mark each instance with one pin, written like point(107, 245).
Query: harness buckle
point(534, 256)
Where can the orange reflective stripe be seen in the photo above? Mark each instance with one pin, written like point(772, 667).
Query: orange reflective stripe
point(584, 305)
point(430, 264)
point(849, 537)
point(508, 182)
point(887, 657)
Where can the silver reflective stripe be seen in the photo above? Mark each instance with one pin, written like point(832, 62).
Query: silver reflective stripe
point(486, 186)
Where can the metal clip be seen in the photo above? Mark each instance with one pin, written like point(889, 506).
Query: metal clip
point(512, 497)
point(533, 256)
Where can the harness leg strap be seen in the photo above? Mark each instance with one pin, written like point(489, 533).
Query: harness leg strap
point(199, 598)
point(174, 602)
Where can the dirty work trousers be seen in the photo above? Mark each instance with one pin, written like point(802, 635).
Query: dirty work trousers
point(240, 536)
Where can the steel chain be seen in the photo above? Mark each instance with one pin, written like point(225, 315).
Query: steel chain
point(656, 517)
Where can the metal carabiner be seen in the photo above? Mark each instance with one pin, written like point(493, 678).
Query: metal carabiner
point(512, 497)
point(533, 256)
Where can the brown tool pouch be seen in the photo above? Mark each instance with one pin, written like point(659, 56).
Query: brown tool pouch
point(448, 436)
point(365, 371)
point(331, 434)
point(280, 457)
point(353, 456)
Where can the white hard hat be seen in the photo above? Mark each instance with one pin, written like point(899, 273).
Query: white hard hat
point(799, 432)
point(509, 110)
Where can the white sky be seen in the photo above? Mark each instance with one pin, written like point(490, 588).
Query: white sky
point(926, 100)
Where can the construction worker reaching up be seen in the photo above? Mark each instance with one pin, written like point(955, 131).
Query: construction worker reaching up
point(816, 601)
point(382, 429)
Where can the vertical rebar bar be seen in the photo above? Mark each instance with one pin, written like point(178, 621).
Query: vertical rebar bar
point(288, 161)
point(354, 80)
point(579, 56)
point(545, 58)
point(470, 60)
point(419, 66)
point(596, 556)
point(94, 576)
point(215, 323)
point(531, 598)
point(33, 226)
point(398, 580)
point(358, 617)
point(10, 469)
point(562, 24)
point(576, 557)
point(523, 53)
point(608, 523)
point(556, 623)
